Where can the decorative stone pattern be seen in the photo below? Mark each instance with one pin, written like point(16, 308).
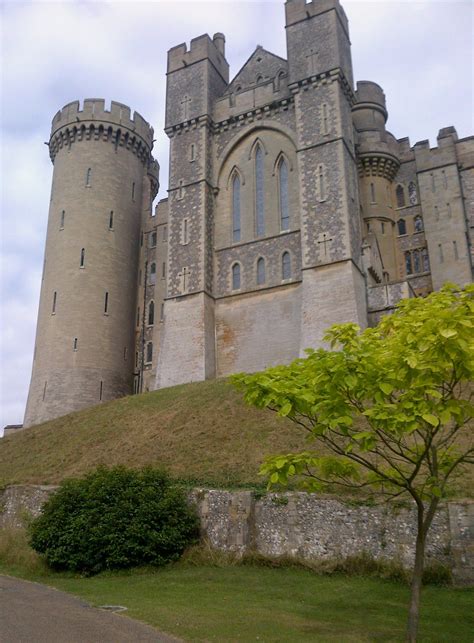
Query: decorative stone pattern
point(305, 526)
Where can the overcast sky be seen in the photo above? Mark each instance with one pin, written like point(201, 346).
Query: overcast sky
point(421, 53)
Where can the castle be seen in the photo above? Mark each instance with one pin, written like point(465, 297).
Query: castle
point(290, 208)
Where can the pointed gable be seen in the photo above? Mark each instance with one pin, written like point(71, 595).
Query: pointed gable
point(262, 66)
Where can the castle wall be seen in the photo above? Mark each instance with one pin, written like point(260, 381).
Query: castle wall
point(245, 324)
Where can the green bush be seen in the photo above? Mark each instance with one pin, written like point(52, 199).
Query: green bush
point(114, 518)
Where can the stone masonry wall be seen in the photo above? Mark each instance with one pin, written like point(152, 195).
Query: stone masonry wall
point(305, 526)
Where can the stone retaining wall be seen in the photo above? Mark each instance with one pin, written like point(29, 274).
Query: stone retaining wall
point(305, 525)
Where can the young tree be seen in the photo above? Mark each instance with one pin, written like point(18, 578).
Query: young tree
point(392, 405)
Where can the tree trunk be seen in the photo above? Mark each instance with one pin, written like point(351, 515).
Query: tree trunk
point(414, 610)
point(424, 523)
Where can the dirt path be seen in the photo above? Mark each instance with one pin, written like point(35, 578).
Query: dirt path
point(34, 613)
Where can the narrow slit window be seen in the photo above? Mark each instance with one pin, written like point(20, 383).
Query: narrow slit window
point(191, 152)
point(184, 232)
point(138, 316)
point(321, 183)
point(88, 177)
point(151, 313)
point(162, 312)
point(61, 222)
point(260, 271)
point(433, 184)
point(44, 389)
point(448, 207)
point(101, 387)
point(259, 192)
point(286, 266)
point(106, 303)
point(153, 240)
point(325, 119)
point(55, 298)
point(445, 180)
point(165, 233)
point(440, 253)
point(236, 209)
point(133, 191)
point(136, 359)
point(163, 270)
point(372, 193)
point(236, 276)
point(74, 344)
point(455, 250)
point(111, 220)
point(152, 273)
point(83, 258)
point(284, 205)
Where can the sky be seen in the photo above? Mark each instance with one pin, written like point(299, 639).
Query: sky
point(54, 52)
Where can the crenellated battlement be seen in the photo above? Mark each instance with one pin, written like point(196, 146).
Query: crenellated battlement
point(298, 10)
point(201, 48)
point(94, 110)
point(94, 122)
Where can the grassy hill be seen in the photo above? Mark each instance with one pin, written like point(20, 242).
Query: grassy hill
point(202, 433)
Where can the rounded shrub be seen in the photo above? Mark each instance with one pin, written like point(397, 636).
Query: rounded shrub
point(112, 519)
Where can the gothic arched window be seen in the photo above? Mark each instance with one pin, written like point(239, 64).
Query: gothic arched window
point(418, 224)
point(236, 276)
point(260, 271)
point(259, 193)
point(402, 227)
point(286, 266)
point(412, 193)
point(151, 313)
point(400, 194)
point(236, 208)
point(284, 205)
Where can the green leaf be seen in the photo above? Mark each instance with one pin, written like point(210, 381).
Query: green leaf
point(431, 419)
point(386, 387)
point(285, 409)
point(448, 332)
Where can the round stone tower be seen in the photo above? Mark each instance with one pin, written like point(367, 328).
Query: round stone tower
point(104, 178)
point(378, 165)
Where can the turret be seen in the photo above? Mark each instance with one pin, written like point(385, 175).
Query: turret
point(104, 177)
point(378, 164)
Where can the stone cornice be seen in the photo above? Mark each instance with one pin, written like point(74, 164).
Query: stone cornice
point(319, 80)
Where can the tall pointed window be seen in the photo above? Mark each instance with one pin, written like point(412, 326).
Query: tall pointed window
point(260, 271)
point(236, 276)
point(400, 193)
point(236, 208)
point(284, 205)
point(259, 193)
point(151, 313)
point(286, 266)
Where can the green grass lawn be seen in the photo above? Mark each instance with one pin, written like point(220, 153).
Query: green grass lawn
point(249, 603)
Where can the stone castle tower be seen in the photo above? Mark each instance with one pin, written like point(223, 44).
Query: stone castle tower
point(104, 180)
point(290, 207)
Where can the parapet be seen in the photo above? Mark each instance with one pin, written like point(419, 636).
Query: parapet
point(202, 48)
point(298, 10)
point(94, 110)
